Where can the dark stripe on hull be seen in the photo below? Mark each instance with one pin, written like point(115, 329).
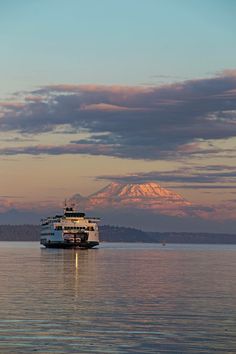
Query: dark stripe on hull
point(71, 245)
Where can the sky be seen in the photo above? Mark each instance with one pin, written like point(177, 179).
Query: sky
point(130, 91)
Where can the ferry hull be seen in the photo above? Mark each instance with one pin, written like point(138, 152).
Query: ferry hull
point(70, 245)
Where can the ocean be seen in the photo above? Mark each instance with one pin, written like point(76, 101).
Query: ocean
point(120, 298)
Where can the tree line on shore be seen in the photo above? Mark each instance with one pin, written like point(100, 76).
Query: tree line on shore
point(122, 234)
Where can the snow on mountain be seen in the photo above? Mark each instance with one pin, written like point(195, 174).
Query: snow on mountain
point(147, 196)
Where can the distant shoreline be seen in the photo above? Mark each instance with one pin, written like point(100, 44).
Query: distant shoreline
point(109, 233)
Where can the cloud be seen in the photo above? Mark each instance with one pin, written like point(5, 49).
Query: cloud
point(106, 107)
point(11, 196)
point(202, 186)
point(17, 139)
point(158, 122)
point(206, 177)
point(56, 150)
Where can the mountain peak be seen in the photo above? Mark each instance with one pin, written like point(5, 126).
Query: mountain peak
point(149, 195)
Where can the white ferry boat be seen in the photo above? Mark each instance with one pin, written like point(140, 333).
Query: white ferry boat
point(70, 230)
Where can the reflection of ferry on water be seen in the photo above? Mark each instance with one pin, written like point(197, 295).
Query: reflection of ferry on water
point(70, 230)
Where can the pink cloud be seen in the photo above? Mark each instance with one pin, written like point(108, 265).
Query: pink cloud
point(34, 98)
point(116, 89)
point(107, 107)
point(12, 104)
point(228, 73)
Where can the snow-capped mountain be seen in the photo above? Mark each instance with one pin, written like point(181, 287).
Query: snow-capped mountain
point(145, 196)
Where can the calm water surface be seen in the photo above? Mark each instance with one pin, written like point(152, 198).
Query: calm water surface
point(120, 298)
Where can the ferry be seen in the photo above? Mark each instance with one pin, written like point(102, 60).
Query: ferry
point(70, 230)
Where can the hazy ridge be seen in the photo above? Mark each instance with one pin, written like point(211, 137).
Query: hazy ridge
point(122, 234)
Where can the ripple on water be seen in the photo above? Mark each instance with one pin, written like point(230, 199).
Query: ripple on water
point(118, 299)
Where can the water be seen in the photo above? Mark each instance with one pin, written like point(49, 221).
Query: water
point(121, 298)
